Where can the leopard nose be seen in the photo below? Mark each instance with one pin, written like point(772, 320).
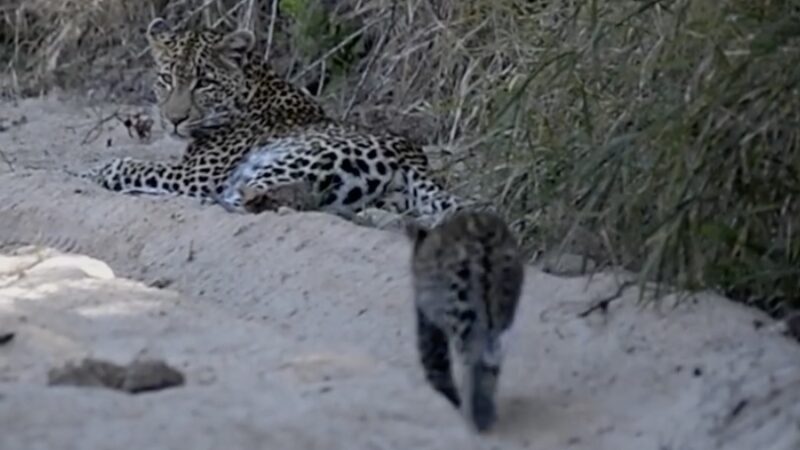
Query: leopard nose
point(177, 120)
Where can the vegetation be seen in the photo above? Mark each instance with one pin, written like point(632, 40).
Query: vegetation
point(666, 131)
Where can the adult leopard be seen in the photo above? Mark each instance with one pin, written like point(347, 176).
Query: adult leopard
point(247, 127)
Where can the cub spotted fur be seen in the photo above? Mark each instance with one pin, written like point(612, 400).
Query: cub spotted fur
point(467, 276)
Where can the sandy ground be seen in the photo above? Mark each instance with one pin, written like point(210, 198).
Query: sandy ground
point(295, 331)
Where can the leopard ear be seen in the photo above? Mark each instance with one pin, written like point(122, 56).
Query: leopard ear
point(234, 46)
point(158, 30)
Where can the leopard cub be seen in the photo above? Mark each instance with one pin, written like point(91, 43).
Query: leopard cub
point(467, 276)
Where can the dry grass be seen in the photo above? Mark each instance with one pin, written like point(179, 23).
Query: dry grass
point(667, 131)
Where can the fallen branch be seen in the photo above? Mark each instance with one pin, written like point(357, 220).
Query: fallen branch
point(602, 305)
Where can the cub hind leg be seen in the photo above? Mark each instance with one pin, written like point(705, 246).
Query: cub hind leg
point(434, 354)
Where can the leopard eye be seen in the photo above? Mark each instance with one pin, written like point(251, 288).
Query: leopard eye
point(165, 78)
point(202, 83)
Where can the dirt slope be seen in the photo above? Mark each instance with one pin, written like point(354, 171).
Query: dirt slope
point(295, 331)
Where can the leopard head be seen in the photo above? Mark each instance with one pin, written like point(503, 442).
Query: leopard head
point(201, 81)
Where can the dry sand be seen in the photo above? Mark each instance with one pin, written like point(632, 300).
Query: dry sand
point(295, 331)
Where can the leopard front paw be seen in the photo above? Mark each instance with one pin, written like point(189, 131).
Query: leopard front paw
point(228, 200)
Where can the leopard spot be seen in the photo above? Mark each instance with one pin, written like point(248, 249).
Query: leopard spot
point(468, 315)
point(373, 185)
point(332, 181)
point(353, 196)
point(466, 331)
point(347, 166)
point(329, 199)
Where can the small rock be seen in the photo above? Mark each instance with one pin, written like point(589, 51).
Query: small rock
point(150, 375)
point(89, 373)
point(6, 337)
point(138, 376)
point(161, 283)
